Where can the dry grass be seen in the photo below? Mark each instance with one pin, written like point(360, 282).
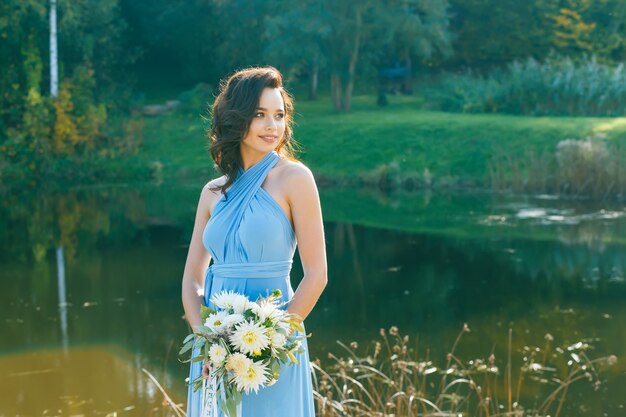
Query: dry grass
point(393, 381)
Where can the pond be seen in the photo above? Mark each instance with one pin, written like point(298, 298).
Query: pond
point(90, 287)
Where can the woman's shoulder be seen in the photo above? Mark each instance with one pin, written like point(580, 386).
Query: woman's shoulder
point(211, 193)
point(216, 182)
point(295, 168)
point(297, 177)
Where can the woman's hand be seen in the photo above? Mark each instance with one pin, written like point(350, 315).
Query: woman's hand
point(206, 368)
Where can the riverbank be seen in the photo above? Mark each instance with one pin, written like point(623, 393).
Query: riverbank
point(398, 145)
point(401, 145)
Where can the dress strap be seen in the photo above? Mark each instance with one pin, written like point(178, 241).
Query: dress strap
point(229, 212)
point(246, 184)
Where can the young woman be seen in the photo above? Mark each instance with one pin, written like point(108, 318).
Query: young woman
point(249, 222)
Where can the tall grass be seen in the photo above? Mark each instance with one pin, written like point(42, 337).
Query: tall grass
point(558, 86)
point(576, 167)
point(392, 379)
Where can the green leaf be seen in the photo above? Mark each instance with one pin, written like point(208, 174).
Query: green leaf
point(197, 358)
point(275, 367)
point(205, 312)
point(203, 329)
point(237, 396)
point(185, 348)
point(189, 337)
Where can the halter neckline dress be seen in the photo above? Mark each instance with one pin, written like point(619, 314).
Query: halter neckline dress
point(252, 244)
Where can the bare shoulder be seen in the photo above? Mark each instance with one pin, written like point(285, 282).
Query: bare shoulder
point(209, 195)
point(298, 179)
point(217, 182)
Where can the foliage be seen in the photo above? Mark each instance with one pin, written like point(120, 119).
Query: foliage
point(39, 134)
point(580, 167)
point(557, 86)
point(493, 33)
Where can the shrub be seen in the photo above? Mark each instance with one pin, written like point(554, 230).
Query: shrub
point(557, 86)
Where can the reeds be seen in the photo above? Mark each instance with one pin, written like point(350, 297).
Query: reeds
point(556, 86)
point(392, 380)
point(577, 167)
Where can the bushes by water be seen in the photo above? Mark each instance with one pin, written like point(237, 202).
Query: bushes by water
point(557, 86)
point(589, 166)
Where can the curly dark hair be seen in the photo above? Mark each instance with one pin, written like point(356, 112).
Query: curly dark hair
point(232, 112)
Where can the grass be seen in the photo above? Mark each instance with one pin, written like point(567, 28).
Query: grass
point(393, 379)
point(371, 142)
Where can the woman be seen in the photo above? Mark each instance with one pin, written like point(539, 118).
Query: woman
point(249, 221)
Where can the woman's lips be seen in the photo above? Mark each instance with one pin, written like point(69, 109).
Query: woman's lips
point(268, 138)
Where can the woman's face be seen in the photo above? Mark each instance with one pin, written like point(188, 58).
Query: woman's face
point(268, 123)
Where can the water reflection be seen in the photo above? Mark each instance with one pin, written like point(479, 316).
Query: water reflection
point(424, 262)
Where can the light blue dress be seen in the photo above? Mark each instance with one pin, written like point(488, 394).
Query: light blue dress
point(252, 244)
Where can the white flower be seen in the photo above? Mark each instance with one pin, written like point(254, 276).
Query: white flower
point(255, 376)
point(266, 310)
point(278, 340)
point(215, 321)
point(238, 363)
point(240, 303)
point(217, 354)
point(249, 337)
point(229, 299)
point(232, 319)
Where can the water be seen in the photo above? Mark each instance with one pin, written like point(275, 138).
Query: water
point(90, 287)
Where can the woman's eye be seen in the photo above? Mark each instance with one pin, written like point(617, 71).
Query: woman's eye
point(280, 115)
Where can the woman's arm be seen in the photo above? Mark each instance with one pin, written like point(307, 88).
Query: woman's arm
point(197, 262)
point(306, 211)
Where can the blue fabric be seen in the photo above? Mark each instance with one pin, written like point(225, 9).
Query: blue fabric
point(252, 244)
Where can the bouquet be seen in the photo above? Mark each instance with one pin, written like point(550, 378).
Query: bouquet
point(245, 343)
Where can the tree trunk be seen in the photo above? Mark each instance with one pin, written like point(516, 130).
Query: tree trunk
point(408, 79)
point(313, 78)
point(54, 65)
point(335, 90)
point(354, 57)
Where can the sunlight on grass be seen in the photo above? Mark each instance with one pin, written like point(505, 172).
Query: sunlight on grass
point(613, 124)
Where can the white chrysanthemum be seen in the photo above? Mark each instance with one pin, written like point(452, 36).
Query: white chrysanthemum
point(267, 310)
point(278, 340)
point(238, 363)
point(240, 303)
point(249, 337)
point(232, 319)
point(223, 299)
point(229, 299)
point(255, 376)
point(215, 321)
point(217, 353)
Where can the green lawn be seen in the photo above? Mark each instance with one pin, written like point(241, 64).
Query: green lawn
point(452, 146)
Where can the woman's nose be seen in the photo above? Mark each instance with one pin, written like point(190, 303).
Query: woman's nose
point(271, 124)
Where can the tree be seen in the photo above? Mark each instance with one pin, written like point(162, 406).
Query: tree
point(296, 34)
point(420, 28)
